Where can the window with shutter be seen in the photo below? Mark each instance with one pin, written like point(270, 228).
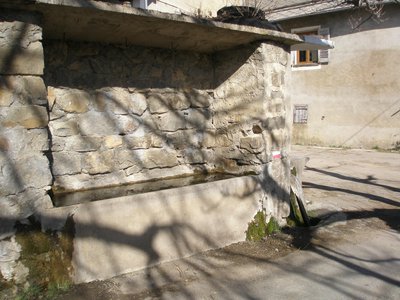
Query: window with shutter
point(324, 54)
point(303, 58)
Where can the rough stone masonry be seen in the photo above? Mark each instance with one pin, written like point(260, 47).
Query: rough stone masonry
point(81, 115)
point(122, 114)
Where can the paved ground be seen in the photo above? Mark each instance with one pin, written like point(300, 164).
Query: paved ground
point(354, 253)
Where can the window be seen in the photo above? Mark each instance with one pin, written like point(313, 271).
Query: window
point(302, 58)
point(300, 114)
point(307, 57)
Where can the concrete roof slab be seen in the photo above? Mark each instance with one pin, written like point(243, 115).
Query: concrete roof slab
point(104, 22)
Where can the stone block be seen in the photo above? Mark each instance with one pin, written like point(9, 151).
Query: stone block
point(73, 100)
point(194, 156)
point(277, 95)
point(126, 124)
point(26, 116)
point(119, 101)
point(10, 180)
point(144, 142)
point(66, 163)
point(37, 140)
point(4, 144)
point(215, 139)
point(18, 140)
point(159, 174)
point(157, 158)
point(64, 127)
point(139, 103)
point(198, 119)
point(21, 42)
point(80, 143)
point(274, 123)
point(127, 158)
point(102, 124)
point(22, 205)
point(19, 207)
point(26, 57)
point(6, 95)
point(27, 90)
point(98, 162)
point(30, 170)
point(170, 121)
point(275, 54)
point(161, 101)
point(10, 251)
point(227, 153)
point(198, 98)
point(133, 170)
point(278, 79)
point(253, 144)
point(51, 97)
point(97, 123)
point(100, 100)
point(87, 181)
point(113, 141)
point(57, 144)
point(183, 139)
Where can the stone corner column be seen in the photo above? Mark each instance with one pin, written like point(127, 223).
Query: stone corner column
point(25, 175)
point(276, 175)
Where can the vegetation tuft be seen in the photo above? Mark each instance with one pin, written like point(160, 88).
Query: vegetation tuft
point(258, 228)
point(48, 256)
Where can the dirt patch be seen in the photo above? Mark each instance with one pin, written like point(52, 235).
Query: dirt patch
point(271, 247)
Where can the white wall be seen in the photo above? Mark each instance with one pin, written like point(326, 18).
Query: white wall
point(354, 100)
point(190, 7)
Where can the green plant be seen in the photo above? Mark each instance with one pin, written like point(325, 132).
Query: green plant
point(54, 289)
point(273, 226)
point(257, 228)
point(33, 291)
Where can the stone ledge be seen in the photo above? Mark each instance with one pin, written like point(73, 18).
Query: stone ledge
point(118, 24)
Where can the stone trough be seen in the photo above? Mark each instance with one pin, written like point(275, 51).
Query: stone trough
point(120, 235)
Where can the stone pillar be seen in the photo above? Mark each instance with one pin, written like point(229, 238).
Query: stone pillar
point(276, 175)
point(252, 104)
point(25, 175)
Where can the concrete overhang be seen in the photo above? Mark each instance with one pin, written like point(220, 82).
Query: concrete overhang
point(313, 43)
point(97, 21)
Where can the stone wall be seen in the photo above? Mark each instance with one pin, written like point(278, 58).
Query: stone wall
point(123, 114)
point(25, 175)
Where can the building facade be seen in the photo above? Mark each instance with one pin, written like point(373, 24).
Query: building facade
point(347, 96)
